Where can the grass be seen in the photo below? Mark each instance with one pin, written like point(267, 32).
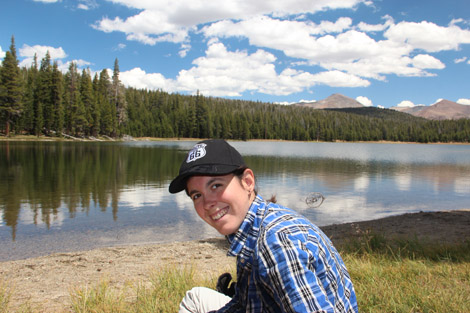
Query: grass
point(388, 275)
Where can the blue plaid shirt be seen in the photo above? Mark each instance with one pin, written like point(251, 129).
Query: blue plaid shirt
point(287, 264)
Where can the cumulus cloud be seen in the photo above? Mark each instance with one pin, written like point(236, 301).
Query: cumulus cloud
point(56, 54)
point(336, 46)
point(138, 78)
point(364, 101)
point(172, 21)
point(231, 73)
point(2, 53)
point(425, 61)
point(464, 101)
point(28, 52)
point(336, 53)
point(406, 104)
point(428, 36)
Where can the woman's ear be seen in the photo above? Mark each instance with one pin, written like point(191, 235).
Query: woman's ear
point(248, 180)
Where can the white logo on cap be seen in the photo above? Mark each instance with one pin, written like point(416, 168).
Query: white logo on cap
point(197, 152)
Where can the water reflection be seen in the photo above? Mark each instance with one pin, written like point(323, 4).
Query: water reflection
point(82, 195)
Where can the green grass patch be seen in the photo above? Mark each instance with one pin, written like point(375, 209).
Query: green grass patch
point(5, 295)
point(161, 293)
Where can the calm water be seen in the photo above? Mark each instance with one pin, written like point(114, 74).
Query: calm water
point(75, 196)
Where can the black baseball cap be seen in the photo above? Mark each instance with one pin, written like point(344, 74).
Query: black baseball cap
point(208, 157)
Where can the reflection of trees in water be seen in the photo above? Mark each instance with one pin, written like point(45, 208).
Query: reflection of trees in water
point(339, 173)
point(44, 176)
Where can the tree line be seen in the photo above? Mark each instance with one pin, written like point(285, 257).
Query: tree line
point(41, 100)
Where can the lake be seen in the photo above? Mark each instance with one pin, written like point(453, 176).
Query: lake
point(70, 196)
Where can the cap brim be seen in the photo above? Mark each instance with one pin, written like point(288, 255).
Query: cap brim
point(179, 183)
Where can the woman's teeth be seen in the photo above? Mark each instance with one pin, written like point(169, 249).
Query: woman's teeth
point(219, 214)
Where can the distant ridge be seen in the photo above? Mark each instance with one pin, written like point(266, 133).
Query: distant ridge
point(335, 101)
point(442, 110)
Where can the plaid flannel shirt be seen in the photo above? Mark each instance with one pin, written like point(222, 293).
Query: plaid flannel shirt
point(287, 264)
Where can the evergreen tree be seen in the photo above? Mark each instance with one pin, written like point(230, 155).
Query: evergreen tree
point(44, 97)
point(87, 101)
point(10, 89)
point(107, 113)
point(118, 97)
point(57, 91)
point(75, 117)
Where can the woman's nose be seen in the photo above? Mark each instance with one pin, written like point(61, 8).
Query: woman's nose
point(209, 201)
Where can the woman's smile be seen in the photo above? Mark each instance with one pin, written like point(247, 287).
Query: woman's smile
point(222, 201)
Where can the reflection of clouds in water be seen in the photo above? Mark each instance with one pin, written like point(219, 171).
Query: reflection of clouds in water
point(403, 181)
point(141, 196)
point(340, 208)
point(183, 202)
point(28, 216)
point(462, 185)
point(361, 183)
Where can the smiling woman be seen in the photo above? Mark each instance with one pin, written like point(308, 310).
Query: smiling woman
point(284, 262)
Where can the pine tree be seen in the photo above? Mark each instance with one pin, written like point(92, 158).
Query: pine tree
point(75, 117)
point(57, 91)
point(87, 100)
point(107, 114)
point(10, 89)
point(43, 95)
point(118, 98)
point(30, 77)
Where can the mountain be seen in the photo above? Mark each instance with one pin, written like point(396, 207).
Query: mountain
point(335, 101)
point(442, 110)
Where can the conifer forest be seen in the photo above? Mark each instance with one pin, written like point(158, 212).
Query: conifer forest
point(42, 100)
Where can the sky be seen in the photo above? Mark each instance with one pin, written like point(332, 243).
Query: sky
point(383, 53)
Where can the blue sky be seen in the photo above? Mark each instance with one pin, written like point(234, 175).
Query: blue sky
point(382, 53)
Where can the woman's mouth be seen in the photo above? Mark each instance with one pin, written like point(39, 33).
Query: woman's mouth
point(219, 214)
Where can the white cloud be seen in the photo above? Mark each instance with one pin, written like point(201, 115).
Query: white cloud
point(119, 47)
point(64, 67)
point(138, 78)
point(28, 52)
point(461, 60)
point(378, 27)
point(230, 73)
point(428, 36)
point(437, 101)
point(406, 104)
point(351, 50)
point(307, 101)
point(425, 61)
point(56, 54)
point(364, 101)
point(2, 53)
point(346, 54)
point(464, 101)
point(173, 20)
point(87, 5)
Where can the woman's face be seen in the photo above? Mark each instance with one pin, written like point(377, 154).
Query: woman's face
point(222, 201)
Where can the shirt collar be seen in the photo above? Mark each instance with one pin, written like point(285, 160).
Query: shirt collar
point(243, 241)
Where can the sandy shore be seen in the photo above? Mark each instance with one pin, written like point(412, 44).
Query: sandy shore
point(45, 282)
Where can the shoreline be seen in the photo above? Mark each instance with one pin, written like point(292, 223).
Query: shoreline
point(59, 139)
point(46, 282)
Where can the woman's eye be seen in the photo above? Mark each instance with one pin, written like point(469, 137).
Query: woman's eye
point(215, 186)
point(195, 197)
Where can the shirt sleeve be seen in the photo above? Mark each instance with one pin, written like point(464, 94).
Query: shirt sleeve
point(290, 272)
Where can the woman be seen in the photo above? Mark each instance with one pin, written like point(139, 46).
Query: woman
point(284, 262)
